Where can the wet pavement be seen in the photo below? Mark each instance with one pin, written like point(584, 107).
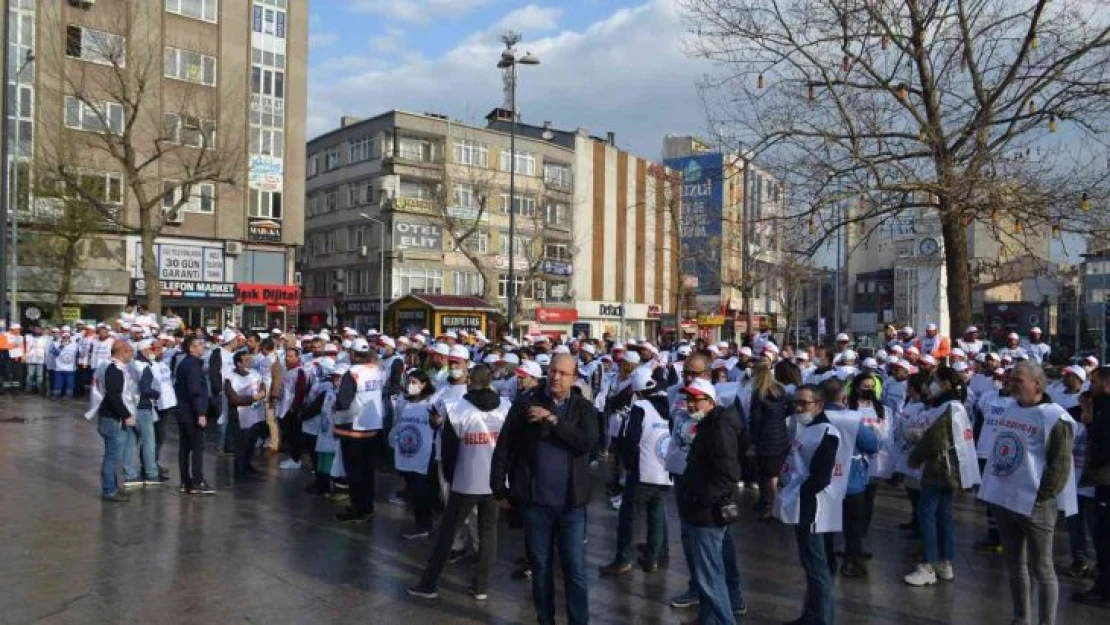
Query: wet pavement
point(266, 552)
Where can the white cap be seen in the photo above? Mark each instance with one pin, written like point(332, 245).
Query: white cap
point(642, 380)
point(957, 352)
point(347, 343)
point(443, 349)
point(870, 363)
point(1077, 371)
point(561, 349)
point(896, 349)
point(746, 351)
point(1013, 335)
point(451, 334)
point(971, 329)
point(849, 355)
point(1092, 360)
point(701, 386)
point(842, 338)
point(360, 345)
point(460, 353)
point(388, 342)
point(718, 364)
point(881, 355)
point(770, 348)
point(543, 359)
point(632, 357)
point(907, 330)
point(959, 367)
point(144, 345)
point(228, 336)
point(589, 348)
point(1035, 331)
point(802, 356)
point(491, 359)
point(928, 359)
point(648, 346)
point(686, 350)
point(331, 348)
point(512, 359)
point(898, 362)
point(932, 327)
point(722, 344)
point(530, 368)
point(913, 350)
point(712, 349)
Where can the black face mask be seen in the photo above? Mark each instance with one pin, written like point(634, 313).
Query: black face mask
point(867, 394)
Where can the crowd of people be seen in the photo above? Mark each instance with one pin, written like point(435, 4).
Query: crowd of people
point(477, 428)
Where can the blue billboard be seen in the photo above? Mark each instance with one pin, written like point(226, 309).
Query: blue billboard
point(701, 218)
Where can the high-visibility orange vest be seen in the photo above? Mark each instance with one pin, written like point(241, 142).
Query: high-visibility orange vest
point(3, 341)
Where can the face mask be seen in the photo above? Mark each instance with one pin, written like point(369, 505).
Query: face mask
point(867, 394)
point(697, 416)
point(456, 374)
point(934, 389)
point(804, 418)
point(414, 388)
point(381, 353)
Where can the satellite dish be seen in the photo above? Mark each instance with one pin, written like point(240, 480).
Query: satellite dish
point(548, 135)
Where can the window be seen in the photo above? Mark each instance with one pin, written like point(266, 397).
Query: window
point(416, 280)
point(414, 191)
point(556, 214)
point(105, 186)
point(539, 290)
point(361, 150)
point(268, 21)
point(904, 249)
point(202, 197)
point(360, 236)
point(265, 204)
point(352, 195)
point(525, 162)
point(522, 205)
point(268, 141)
point(269, 82)
point(368, 192)
point(523, 286)
point(331, 201)
point(190, 66)
point(557, 251)
point(476, 243)
point(331, 159)
point(95, 46)
point(557, 174)
point(414, 149)
point(197, 9)
point(471, 153)
point(268, 57)
point(98, 117)
point(329, 242)
point(313, 165)
point(465, 197)
point(469, 283)
point(189, 130)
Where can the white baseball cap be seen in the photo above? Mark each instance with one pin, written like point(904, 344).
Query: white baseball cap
point(388, 342)
point(746, 351)
point(512, 359)
point(1092, 360)
point(331, 348)
point(701, 387)
point(870, 363)
point(1077, 371)
point(631, 356)
point(840, 338)
point(228, 336)
point(1035, 331)
point(722, 344)
point(642, 380)
point(932, 327)
point(561, 349)
point(530, 369)
point(589, 348)
point(971, 329)
point(459, 353)
point(144, 345)
point(1013, 335)
point(491, 359)
point(928, 359)
point(686, 350)
point(959, 366)
point(360, 345)
point(443, 349)
point(907, 330)
point(543, 359)
point(849, 355)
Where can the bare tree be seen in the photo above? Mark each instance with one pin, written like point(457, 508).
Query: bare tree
point(163, 137)
point(466, 218)
point(936, 105)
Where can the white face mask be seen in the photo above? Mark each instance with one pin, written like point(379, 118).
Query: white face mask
point(697, 416)
point(934, 389)
point(456, 374)
point(805, 418)
point(414, 388)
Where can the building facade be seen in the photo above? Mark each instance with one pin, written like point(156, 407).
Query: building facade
point(223, 99)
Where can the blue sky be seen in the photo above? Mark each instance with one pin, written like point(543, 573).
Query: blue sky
point(606, 65)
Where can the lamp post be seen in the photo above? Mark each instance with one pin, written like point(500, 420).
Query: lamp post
point(509, 61)
point(381, 270)
point(14, 182)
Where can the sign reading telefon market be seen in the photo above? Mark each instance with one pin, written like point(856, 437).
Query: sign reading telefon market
point(702, 217)
point(417, 236)
point(186, 262)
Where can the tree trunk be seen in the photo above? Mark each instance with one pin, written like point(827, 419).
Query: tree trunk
point(69, 263)
point(956, 269)
point(150, 266)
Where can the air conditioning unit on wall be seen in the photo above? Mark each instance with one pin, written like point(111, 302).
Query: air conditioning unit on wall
point(363, 252)
point(233, 248)
point(175, 218)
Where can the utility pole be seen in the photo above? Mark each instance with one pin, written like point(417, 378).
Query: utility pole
point(5, 196)
point(746, 211)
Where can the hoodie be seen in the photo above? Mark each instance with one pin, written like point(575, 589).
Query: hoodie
point(484, 399)
point(629, 444)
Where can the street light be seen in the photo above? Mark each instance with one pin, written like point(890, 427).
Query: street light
point(9, 189)
point(509, 61)
point(381, 271)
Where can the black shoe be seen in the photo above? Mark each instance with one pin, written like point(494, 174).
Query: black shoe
point(456, 555)
point(614, 569)
point(853, 570)
point(350, 516)
point(202, 488)
point(422, 592)
point(184, 489)
point(117, 497)
point(649, 566)
point(158, 481)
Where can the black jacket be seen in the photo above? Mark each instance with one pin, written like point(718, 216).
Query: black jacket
point(148, 392)
point(112, 406)
point(820, 474)
point(629, 446)
point(712, 469)
point(515, 456)
point(485, 400)
point(191, 388)
point(768, 425)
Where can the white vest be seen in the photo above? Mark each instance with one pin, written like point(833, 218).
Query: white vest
point(963, 440)
point(412, 437)
point(788, 505)
point(312, 426)
point(130, 393)
point(368, 381)
point(992, 407)
point(66, 358)
point(101, 352)
point(881, 463)
point(655, 440)
point(289, 388)
point(326, 442)
point(163, 379)
point(971, 348)
point(247, 386)
point(1017, 459)
point(847, 423)
point(683, 431)
point(478, 431)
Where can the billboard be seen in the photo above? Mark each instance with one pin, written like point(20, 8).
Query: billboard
point(701, 218)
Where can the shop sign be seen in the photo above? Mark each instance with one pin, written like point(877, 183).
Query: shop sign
point(415, 205)
point(362, 307)
point(409, 235)
point(186, 262)
point(711, 320)
point(264, 230)
point(265, 182)
point(263, 164)
point(610, 310)
point(70, 313)
point(409, 321)
point(580, 330)
point(520, 263)
point(457, 322)
point(315, 305)
point(268, 294)
point(556, 315)
point(654, 311)
point(188, 289)
point(555, 267)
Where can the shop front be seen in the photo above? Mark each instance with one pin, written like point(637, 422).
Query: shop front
point(95, 294)
point(556, 323)
point(362, 314)
point(266, 306)
point(710, 327)
point(194, 277)
point(616, 320)
point(438, 314)
point(198, 303)
point(313, 312)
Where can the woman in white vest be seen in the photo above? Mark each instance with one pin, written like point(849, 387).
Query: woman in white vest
point(359, 419)
point(413, 440)
point(944, 451)
point(245, 391)
point(807, 498)
point(470, 434)
point(1028, 478)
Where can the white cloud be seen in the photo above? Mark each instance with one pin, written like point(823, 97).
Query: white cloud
point(626, 73)
point(530, 19)
point(322, 40)
point(417, 11)
point(390, 42)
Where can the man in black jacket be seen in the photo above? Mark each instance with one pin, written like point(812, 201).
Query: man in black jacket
point(1096, 473)
point(708, 498)
point(542, 455)
point(191, 388)
point(116, 412)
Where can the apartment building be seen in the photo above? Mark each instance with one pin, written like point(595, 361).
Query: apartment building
point(405, 203)
point(224, 87)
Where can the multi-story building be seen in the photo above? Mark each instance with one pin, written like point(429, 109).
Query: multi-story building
point(208, 91)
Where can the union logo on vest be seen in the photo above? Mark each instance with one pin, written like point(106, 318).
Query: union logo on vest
point(1008, 454)
point(409, 441)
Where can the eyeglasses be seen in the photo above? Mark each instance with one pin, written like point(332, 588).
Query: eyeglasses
point(802, 402)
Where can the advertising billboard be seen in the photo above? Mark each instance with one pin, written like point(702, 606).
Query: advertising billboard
point(701, 218)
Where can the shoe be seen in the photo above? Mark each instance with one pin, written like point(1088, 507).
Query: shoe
point(522, 571)
point(944, 571)
point(350, 516)
point(1091, 597)
point(988, 546)
point(289, 464)
point(396, 500)
point(685, 600)
point(853, 570)
point(649, 566)
point(158, 481)
point(456, 555)
point(1079, 570)
point(477, 595)
point(613, 569)
point(923, 575)
point(129, 484)
point(423, 593)
point(615, 502)
point(202, 488)
point(415, 534)
point(117, 497)
point(184, 489)
point(741, 609)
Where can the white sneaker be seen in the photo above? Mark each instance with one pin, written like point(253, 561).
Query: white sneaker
point(944, 571)
point(289, 464)
point(615, 502)
point(922, 576)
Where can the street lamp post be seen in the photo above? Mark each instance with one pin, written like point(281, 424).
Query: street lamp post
point(509, 61)
point(14, 182)
point(381, 270)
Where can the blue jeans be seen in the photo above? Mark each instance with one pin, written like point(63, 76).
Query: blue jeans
point(1078, 527)
point(114, 440)
point(546, 527)
point(811, 551)
point(705, 547)
point(63, 383)
point(34, 381)
point(934, 520)
point(732, 570)
point(140, 440)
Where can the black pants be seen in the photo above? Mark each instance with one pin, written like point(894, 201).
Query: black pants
point(855, 526)
point(170, 414)
point(458, 506)
point(1102, 540)
point(81, 381)
point(292, 438)
point(359, 459)
point(424, 494)
point(190, 446)
point(246, 441)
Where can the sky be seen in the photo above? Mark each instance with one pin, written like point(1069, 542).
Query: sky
point(605, 65)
